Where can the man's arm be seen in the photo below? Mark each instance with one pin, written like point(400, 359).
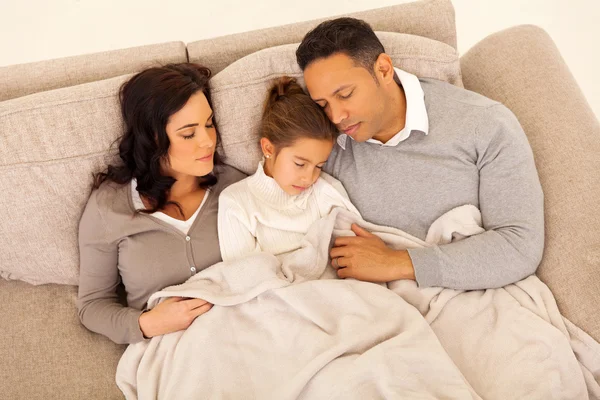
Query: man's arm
point(511, 204)
point(512, 209)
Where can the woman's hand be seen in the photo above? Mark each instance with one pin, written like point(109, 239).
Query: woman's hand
point(172, 315)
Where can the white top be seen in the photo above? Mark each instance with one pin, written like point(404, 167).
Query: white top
point(183, 226)
point(255, 214)
point(416, 113)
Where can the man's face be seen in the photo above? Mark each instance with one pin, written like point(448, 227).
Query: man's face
point(350, 95)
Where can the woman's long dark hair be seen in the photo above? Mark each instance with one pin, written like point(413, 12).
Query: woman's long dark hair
point(148, 100)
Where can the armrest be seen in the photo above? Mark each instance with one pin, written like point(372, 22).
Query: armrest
point(522, 68)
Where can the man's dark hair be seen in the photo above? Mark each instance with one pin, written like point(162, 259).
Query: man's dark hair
point(349, 36)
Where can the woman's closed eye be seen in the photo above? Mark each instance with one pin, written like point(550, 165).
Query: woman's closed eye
point(190, 136)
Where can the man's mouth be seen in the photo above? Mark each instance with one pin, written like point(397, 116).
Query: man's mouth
point(350, 130)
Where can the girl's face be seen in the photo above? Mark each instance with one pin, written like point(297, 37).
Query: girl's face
point(295, 168)
point(192, 137)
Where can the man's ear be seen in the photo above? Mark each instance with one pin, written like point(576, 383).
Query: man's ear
point(384, 68)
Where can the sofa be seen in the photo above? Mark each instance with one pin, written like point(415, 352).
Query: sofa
point(59, 120)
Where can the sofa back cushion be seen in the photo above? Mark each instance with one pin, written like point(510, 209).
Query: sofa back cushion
point(432, 19)
point(23, 79)
point(50, 144)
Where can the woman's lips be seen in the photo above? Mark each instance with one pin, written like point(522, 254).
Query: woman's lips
point(205, 158)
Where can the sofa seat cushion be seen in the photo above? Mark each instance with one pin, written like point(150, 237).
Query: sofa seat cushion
point(46, 352)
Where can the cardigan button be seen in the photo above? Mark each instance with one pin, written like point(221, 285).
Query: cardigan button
point(187, 238)
point(193, 269)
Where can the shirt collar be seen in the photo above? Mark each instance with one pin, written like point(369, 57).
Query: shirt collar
point(416, 112)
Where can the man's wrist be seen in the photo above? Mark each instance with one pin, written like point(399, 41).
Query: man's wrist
point(403, 266)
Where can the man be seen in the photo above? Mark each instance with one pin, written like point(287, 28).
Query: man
point(414, 149)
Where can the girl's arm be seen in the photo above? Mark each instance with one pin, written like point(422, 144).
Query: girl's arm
point(236, 231)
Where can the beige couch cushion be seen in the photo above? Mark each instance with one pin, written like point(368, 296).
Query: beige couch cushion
point(522, 68)
point(23, 79)
point(51, 142)
point(239, 90)
point(46, 352)
point(433, 19)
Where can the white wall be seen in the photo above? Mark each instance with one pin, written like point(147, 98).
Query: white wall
point(32, 30)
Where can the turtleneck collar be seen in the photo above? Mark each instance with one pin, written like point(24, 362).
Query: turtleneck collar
point(265, 188)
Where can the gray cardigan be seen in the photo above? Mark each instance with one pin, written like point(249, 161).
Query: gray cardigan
point(143, 252)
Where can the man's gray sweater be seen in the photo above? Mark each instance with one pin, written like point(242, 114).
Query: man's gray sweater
point(475, 153)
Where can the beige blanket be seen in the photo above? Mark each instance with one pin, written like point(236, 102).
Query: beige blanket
point(282, 328)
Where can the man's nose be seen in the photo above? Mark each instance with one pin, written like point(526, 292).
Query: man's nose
point(337, 114)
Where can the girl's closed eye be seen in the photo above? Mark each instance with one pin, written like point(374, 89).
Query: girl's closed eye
point(299, 165)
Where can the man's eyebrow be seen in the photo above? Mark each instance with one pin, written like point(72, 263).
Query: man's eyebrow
point(336, 91)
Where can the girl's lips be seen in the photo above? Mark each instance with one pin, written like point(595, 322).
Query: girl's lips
point(299, 187)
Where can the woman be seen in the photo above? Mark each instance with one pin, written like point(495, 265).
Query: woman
point(151, 221)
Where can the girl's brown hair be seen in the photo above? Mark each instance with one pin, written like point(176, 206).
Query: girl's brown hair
point(290, 114)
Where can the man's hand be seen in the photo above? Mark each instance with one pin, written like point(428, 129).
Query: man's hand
point(367, 258)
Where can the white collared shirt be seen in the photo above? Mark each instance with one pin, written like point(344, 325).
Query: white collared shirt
point(416, 113)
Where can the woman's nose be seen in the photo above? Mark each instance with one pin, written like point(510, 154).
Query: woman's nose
point(205, 139)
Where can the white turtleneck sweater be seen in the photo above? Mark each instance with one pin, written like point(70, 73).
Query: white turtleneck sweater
point(255, 214)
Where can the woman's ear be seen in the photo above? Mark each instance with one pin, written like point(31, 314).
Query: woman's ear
point(267, 147)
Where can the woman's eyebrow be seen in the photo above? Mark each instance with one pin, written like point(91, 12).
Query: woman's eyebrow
point(187, 126)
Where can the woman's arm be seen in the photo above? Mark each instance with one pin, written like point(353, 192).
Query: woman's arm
point(99, 308)
point(236, 232)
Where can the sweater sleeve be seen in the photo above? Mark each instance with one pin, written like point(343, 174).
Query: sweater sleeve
point(98, 304)
point(511, 204)
point(236, 232)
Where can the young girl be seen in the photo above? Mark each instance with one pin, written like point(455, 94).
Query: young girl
point(273, 209)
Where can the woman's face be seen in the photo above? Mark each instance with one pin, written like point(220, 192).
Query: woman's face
point(193, 138)
point(295, 168)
